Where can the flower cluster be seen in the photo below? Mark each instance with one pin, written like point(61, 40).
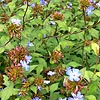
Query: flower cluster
point(91, 7)
point(15, 28)
point(17, 54)
point(24, 63)
point(74, 74)
point(89, 10)
point(37, 9)
point(14, 72)
point(57, 15)
point(56, 56)
point(36, 98)
point(73, 83)
point(69, 5)
point(16, 21)
point(77, 96)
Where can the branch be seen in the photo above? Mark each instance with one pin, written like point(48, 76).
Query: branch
point(25, 15)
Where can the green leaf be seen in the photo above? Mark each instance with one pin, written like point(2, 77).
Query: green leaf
point(34, 89)
point(7, 92)
point(36, 54)
point(91, 97)
point(2, 49)
point(89, 75)
point(97, 12)
point(39, 69)
point(94, 33)
point(32, 67)
point(98, 74)
point(17, 99)
point(92, 87)
point(95, 48)
point(73, 64)
point(7, 82)
point(2, 27)
point(12, 5)
point(66, 43)
point(42, 62)
point(96, 67)
point(53, 87)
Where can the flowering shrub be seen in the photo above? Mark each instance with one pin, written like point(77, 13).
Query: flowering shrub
point(49, 50)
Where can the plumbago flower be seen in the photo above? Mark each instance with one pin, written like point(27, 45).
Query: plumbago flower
point(16, 21)
point(36, 98)
point(92, 1)
point(98, 4)
point(77, 96)
point(74, 74)
point(89, 10)
point(46, 81)
point(30, 44)
point(50, 73)
point(2, 0)
point(28, 59)
point(69, 5)
point(25, 63)
point(43, 2)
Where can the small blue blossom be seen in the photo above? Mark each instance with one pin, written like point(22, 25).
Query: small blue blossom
point(73, 74)
point(28, 59)
point(39, 88)
point(89, 10)
point(36, 98)
point(50, 73)
point(46, 81)
point(44, 35)
point(77, 96)
point(52, 23)
point(69, 5)
point(43, 2)
point(25, 65)
point(33, 5)
point(2, 0)
point(16, 21)
point(30, 44)
point(23, 80)
point(92, 1)
point(98, 4)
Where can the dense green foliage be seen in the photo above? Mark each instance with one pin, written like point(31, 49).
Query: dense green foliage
point(56, 36)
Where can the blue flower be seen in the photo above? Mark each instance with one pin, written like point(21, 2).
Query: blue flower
point(16, 21)
point(77, 96)
point(46, 81)
point(2, 0)
point(69, 5)
point(30, 44)
point(92, 1)
point(52, 23)
point(44, 35)
point(73, 74)
point(39, 88)
point(24, 65)
point(89, 10)
point(50, 73)
point(43, 2)
point(28, 59)
point(98, 4)
point(36, 98)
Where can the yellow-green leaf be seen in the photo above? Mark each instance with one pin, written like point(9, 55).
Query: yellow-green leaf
point(95, 47)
